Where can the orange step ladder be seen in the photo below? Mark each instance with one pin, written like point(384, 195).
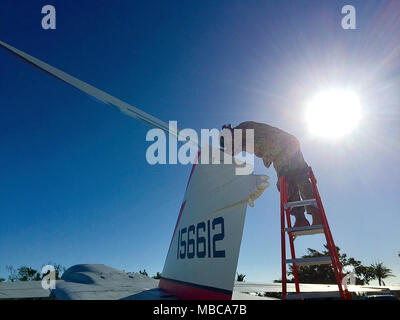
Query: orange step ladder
point(294, 232)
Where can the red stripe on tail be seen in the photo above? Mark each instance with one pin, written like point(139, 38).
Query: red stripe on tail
point(189, 292)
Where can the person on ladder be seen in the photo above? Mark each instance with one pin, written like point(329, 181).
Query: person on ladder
point(277, 147)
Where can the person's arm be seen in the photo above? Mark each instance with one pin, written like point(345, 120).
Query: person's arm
point(245, 125)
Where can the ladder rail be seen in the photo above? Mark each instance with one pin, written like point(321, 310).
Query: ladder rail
point(334, 257)
point(337, 266)
point(328, 235)
point(291, 242)
point(283, 238)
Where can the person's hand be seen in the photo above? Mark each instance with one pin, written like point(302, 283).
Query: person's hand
point(221, 135)
point(267, 163)
point(221, 141)
point(226, 144)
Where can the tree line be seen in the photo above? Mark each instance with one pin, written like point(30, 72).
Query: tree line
point(26, 273)
point(324, 274)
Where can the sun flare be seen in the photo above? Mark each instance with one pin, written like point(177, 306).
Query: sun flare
point(333, 113)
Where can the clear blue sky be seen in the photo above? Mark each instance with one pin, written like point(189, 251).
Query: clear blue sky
point(75, 186)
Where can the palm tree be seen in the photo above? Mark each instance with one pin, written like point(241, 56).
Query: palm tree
point(381, 272)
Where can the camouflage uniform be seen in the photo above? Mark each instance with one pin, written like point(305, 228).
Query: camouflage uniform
point(283, 150)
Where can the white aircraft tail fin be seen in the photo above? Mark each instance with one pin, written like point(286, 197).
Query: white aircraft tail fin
point(204, 250)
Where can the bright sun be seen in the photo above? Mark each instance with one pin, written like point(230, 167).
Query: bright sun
point(333, 113)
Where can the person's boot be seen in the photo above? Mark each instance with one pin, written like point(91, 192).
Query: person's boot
point(301, 221)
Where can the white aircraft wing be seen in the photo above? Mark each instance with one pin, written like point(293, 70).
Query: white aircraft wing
point(100, 282)
point(89, 282)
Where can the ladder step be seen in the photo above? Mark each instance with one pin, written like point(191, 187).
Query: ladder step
point(310, 261)
point(302, 203)
point(313, 295)
point(307, 230)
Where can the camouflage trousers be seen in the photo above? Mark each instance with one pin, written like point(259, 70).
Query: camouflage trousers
point(300, 187)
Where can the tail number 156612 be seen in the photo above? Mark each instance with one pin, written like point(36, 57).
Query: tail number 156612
point(202, 240)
